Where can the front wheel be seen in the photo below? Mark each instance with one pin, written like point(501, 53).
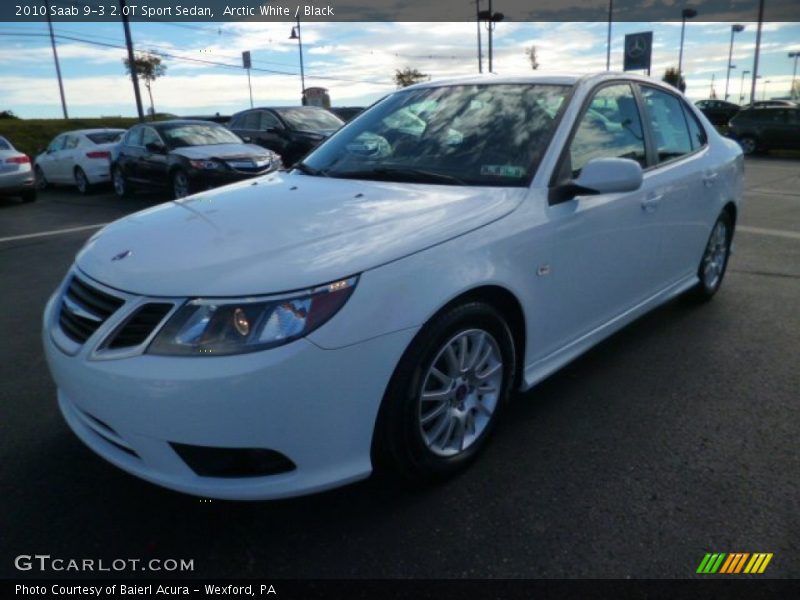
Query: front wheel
point(121, 186)
point(446, 394)
point(714, 263)
point(181, 187)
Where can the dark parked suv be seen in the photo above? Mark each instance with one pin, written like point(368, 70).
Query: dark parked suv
point(767, 128)
point(718, 112)
point(290, 131)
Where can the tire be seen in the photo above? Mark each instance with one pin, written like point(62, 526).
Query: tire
point(429, 439)
point(714, 261)
point(181, 185)
point(41, 180)
point(82, 182)
point(749, 145)
point(28, 196)
point(122, 187)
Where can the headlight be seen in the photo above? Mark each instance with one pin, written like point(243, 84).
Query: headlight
point(207, 164)
point(235, 326)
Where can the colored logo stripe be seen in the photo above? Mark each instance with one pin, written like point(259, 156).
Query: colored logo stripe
point(734, 563)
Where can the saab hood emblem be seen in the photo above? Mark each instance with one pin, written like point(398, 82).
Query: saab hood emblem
point(121, 255)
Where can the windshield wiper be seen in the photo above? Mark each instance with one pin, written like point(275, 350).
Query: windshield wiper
point(409, 174)
point(308, 170)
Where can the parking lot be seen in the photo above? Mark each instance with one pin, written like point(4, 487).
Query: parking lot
point(676, 437)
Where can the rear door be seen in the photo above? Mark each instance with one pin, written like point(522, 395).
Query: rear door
point(47, 161)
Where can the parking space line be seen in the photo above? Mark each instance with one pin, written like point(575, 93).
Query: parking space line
point(792, 235)
point(28, 236)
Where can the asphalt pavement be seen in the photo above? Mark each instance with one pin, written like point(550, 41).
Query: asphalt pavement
point(676, 437)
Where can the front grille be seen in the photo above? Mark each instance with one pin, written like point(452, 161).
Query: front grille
point(84, 308)
point(139, 326)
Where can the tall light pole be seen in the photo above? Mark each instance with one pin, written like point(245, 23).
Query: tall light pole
point(757, 52)
point(686, 13)
point(608, 37)
point(296, 36)
point(55, 58)
point(792, 92)
point(741, 87)
point(764, 89)
point(492, 19)
point(734, 29)
point(478, 22)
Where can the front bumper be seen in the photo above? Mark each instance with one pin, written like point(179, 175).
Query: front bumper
point(317, 407)
point(206, 179)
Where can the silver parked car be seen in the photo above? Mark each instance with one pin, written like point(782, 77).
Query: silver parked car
point(16, 175)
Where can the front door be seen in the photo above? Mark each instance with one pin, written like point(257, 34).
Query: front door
point(603, 246)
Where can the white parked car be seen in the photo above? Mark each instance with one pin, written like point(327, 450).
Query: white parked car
point(81, 158)
point(287, 334)
point(16, 176)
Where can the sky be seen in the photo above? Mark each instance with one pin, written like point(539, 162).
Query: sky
point(355, 61)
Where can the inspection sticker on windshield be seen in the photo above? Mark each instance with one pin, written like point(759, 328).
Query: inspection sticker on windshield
point(503, 171)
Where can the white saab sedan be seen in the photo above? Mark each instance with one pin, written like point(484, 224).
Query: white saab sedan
point(377, 305)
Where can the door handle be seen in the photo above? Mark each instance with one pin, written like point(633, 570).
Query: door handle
point(650, 203)
point(709, 178)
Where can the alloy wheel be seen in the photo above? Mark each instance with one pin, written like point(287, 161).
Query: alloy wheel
point(460, 392)
point(120, 187)
point(180, 185)
point(81, 181)
point(715, 256)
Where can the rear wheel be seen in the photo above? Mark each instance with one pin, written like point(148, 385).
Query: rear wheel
point(446, 394)
point(714, 263)
point(749, 145)
point(82, 182)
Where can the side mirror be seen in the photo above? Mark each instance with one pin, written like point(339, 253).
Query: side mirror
point(247, 139)
point(601, 176)
point(154, 147)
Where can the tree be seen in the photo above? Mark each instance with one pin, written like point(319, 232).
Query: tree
point(8, 114)
point(148, 67)
point(531, 53)
point(674, 78)
point(409, 76)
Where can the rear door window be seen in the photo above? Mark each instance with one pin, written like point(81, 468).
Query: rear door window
point(668, 124)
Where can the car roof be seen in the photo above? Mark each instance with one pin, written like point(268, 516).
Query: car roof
point(88, 131)
point(551, 78)
point(158, 124)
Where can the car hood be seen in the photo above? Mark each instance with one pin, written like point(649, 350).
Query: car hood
point(282, 232)
point(220, 151)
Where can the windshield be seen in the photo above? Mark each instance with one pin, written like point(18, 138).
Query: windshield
point(180, 136)
point(488, 134)
point(309, 119)
point(106, 137)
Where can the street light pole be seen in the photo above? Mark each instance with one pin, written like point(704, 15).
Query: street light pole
point(608, 37)
point(741, 87)
point(55, 58)
point(734, 29)
point(764, 89)
point(758, 51)
point(792, 91)
point(492, 19)
point(478, 22)
point(296, 36)
point(686, 13)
